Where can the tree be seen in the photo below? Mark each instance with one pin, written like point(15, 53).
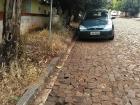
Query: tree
point(11, 30)
point(73, 7)
point(94, 4)
point(131, 6)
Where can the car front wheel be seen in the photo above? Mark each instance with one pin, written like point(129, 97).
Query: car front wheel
point(111, 38)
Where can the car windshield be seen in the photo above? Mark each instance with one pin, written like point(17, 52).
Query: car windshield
point(96, 15)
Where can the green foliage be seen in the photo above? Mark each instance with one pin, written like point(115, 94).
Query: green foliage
point(127, 5)
point(94, 4)
point(74, 7)
point(81, 5)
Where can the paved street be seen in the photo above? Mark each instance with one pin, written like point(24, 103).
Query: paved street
point(102, 72)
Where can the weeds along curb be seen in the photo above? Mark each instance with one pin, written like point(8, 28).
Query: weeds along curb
point(33, 90)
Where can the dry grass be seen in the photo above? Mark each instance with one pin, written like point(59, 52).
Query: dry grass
point(14, 83)
point(38, 48)
point(36, 54)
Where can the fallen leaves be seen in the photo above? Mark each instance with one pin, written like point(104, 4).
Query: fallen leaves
point(36, 54)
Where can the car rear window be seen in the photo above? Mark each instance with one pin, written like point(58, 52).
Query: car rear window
point(96, 14)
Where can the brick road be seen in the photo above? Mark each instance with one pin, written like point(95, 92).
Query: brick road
point(102, 72)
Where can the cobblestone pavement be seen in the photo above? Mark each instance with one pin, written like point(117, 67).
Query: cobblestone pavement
point(102, 72)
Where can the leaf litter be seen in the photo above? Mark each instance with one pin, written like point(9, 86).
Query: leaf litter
point(37, 52)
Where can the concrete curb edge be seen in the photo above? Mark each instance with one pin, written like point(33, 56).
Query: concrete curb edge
point(32, 91)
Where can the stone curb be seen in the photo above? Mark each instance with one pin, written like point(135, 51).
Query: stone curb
point(32, 91)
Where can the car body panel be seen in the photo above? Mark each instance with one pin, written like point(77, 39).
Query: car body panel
point(98, 27)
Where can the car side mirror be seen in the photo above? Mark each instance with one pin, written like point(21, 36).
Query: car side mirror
point(80, 17)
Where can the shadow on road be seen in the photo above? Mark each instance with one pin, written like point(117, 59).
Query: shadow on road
point(94, 40)
point(137, 19)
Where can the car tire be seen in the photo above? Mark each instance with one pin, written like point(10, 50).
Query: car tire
point(80, 38)
point(111, 38)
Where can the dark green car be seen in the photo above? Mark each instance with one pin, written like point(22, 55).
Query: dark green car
point(96, 24)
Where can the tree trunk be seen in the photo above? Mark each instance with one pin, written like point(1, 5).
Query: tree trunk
point(11, 30)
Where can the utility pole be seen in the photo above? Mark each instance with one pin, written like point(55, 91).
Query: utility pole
point(50, 25)
point(139, 5)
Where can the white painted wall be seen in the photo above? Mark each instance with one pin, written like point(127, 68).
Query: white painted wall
point(139, 15)
point(31, 22)
point(27, 23)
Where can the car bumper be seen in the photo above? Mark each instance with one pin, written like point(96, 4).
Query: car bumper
point(104, 34)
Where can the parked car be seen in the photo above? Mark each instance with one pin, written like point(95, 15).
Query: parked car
point(114, 13)
point(96, 24)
